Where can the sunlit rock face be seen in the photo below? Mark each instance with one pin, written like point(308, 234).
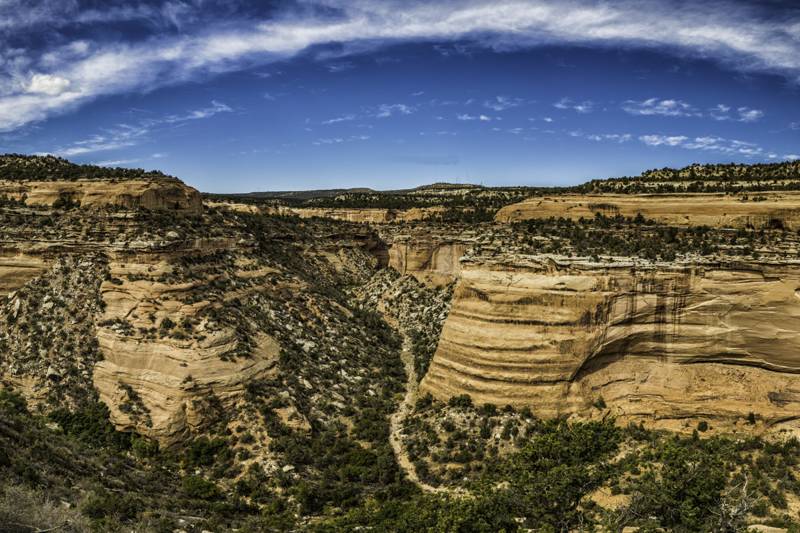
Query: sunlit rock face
point(664, 345)
point(158, 194)
point(433, 261)
point(772, 209)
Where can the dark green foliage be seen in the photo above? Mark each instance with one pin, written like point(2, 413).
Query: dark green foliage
point(49, 168)
point(447, 514)
point(626, 236)
point(463, 401)
point(203, 451)
point(685, 490)
point(90, 424)
point(104, 503)
point(557, 468)
point(197, 487)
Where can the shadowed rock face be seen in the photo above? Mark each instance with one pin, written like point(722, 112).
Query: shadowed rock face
point(716, 210)
point(657, 345)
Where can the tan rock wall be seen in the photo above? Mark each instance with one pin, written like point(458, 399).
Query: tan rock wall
point(664, 347)
point(431, 262)
point(677, 209)
point(16, 269)
point(163, 194)
point(179, 381)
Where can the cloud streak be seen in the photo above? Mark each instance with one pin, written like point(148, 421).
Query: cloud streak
point(127, 135)
point(37, 83)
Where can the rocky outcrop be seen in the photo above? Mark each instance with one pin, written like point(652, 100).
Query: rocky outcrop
point(165, 383)
point(364, 215)
point(17, 269)
point(769, 209)
point(431, 261)
point(666, 345)
point(161, 194)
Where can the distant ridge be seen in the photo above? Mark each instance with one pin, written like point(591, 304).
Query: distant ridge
point(332, 193)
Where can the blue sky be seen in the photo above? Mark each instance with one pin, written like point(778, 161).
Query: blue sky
point(245, 96)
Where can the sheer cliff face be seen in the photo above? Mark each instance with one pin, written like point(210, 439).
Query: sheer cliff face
point(659, 346)
point(431, 262)
point(715, 210)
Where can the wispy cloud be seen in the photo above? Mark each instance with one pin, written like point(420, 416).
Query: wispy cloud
point(741, 114)
point(116, 162)
point(336, 120)
point(678, 108)
point(340, 140)
point(666, 107)
point(586, 106)
point(46, 80)
point(501, 103)
point(614, 137)
point(467, 117)
point(388, 110)
point(709, 143)
point(663, 140)
point(127, 135)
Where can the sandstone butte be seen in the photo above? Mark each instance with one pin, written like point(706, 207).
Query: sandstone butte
point(709, 209)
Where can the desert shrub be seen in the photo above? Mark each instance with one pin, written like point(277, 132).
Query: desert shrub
point(463, 401)
point(197, 487)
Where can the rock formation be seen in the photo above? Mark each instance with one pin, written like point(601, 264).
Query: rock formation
point(156, 194)
point(661, 345)
point(769, 209)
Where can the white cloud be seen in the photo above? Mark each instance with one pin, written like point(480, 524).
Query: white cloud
point(654, 106)
point(743, 114)
point(663, 140)
point(580, 107)
point(336, 120)
point(127, 135)
point(468, 117)
point(734, 34)
point(614, 137)
point(749, 115)
point(707, 143)
point(792, 157)
point(116, 162)
point(387, 110)
point(339, 140)
point(48, 84)
point(501, 103)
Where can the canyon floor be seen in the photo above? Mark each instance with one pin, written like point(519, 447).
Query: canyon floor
point(616, 356)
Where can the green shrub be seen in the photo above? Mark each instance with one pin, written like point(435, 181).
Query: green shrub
point(197, 487)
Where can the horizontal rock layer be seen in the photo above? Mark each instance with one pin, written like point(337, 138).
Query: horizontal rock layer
point(155, 194)
point(716, 210)
point(690, 342)
point(431, 262)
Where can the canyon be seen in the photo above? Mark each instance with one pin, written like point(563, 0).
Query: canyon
point(337, 352)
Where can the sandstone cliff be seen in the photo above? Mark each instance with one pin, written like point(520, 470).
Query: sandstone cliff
point(156, 194)
point(663, 345)
point(770, 209)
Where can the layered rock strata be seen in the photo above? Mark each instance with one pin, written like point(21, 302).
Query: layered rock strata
point(769, 209)
point(663, 345)
point(165, 194)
